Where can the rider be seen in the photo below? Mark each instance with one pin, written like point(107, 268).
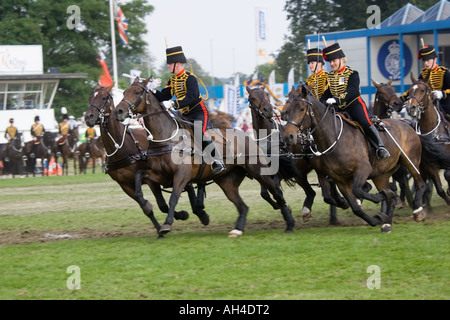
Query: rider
point(63, 128)
point(89, 135)
point(438, 79)
point(344, 93)
point(11, 131)
point(37, 130)
point(318, 78)
point(184, 85)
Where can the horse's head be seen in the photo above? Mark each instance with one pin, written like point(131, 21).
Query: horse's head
point(260, 102)
point(134, 100)
point(100, 105)
point(295, 113)
point(385, 98)
point(419, 98)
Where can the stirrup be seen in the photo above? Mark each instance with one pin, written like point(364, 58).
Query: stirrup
point(382, 153)
point(87, 155)
point(32, 155)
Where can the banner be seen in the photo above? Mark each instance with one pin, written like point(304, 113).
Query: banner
point(261, 19)
point(105, 78)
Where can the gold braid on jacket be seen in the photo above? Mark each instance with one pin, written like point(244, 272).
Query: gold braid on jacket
point(319, 83)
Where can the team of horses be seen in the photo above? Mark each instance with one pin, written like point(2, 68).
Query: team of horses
point(20, 158)
point(167, 152)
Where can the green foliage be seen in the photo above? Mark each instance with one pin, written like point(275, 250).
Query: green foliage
point(74, 50)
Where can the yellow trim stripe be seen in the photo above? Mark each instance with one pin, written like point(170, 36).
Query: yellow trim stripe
point(327, 53)
point(314, 54)
point(171, 54)
point(425, 53)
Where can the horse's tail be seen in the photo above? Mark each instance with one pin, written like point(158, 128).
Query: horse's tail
point(288, 170)
point(433, 152)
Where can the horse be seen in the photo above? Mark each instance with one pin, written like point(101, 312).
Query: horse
point(184, 160)
point(219, 119)
point(68, 151)
point(348, 159)
point(96, 151)
point(13, 156)
point(43, 150)
point(434, 133)
point(291, 167)
point(125, 157)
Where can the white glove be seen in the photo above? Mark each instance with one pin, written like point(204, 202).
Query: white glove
point(437, 94)
point(153, 84)
point(331, 101)
point(168, 104)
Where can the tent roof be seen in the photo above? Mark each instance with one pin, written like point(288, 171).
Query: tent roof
point(440, 11)
point(404, 15)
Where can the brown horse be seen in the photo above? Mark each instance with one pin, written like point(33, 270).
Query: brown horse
point(434, 133)
point(219, 119)
point(13, 156)
point(44, 151)
point(127, 162)
point(291, 167)
point(96, 152)
point(183, 159)
point(68, 151)
point(343, 153)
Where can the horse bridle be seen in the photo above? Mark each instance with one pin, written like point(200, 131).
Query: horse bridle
point(102, 109)
point(258, 108)
point(386, 103)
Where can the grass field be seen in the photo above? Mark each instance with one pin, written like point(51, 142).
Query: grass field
point(48, 224)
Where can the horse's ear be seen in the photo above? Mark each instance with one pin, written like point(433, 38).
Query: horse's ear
point(412, 77)
point(376, 84)
point(97, 86)
point(136, 80)
point(390, 81)
point(248, 89)
point(308, 86)
point(109, 88)
point(305, 90)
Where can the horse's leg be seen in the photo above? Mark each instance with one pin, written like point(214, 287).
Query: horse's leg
point(229, 183)
point(197, 202)
point(266, 196)
point(447, 178)
point(162, 205)
point(310, 194)
point(347, 192)
point(434, 176)
point(180, 180)
point(137, 194)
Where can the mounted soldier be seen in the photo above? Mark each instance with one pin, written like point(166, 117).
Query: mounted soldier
point(344, 93)
point(184, 86)
point(37, 130)
point(90, 134)
point(63, 128)
point(318, 79)
point(11, 131)
point(438, 80)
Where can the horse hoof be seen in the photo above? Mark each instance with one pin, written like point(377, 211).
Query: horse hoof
point(165, 228)
point(387, 228)
point(389, 194)
point(419, 214)
point(204, 217)
point(235, 233)
point(288, 231)
point(306, 214)
point(181, 215)
point(401, 205)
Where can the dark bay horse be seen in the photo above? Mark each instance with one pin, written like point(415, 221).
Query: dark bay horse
point(96, 152)
point(44, 150)
point(291, 167)
point(126, 156)
point(69, 151)
point(13, 156)
point(344, 155)
point(183, 159)
point(434, 133)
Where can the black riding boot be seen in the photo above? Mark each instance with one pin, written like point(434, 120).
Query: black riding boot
point(217, 162)
point(373, 134)
point(33, 150)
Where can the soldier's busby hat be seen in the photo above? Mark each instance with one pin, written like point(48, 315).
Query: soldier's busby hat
point(175, 54)
point(36, 118)
point(11, 120)
point(427, 52)
point(314, 54)
point(333, 52)
point(65, 116)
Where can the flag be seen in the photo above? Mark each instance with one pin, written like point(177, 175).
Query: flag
point(122, 24)
point(291, 78)
point(105, 78)
point(261, 14)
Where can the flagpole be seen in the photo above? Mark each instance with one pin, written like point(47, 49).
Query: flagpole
point(113, 43)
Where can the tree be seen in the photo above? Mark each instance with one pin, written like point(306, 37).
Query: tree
point(73, 47)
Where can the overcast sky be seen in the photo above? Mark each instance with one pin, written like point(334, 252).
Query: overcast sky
point(219, 35)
